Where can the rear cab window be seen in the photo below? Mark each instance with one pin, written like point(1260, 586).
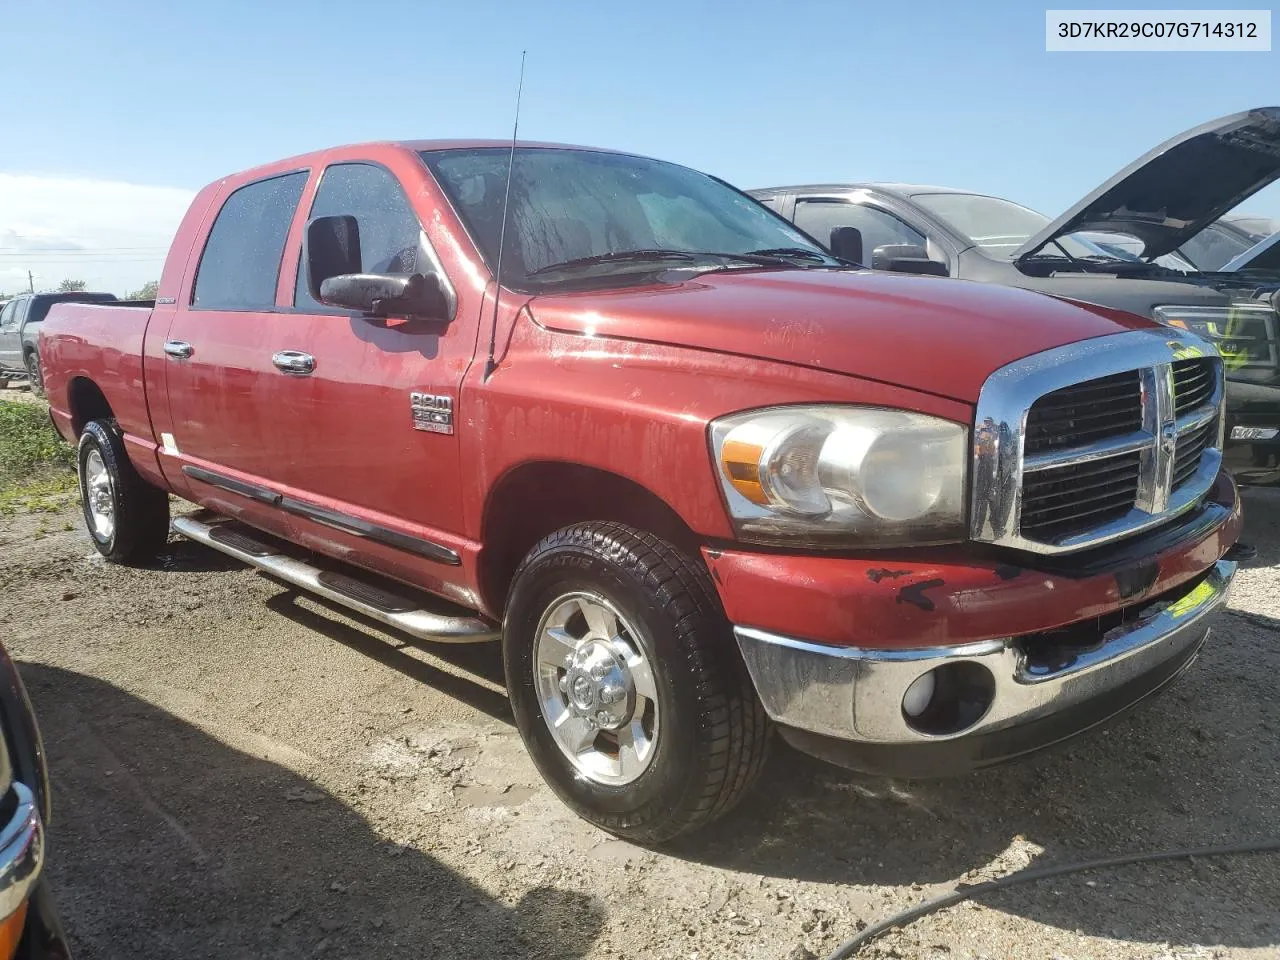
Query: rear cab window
point(240, 265)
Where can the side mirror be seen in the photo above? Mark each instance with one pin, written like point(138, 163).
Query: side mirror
point(333, 250)
point(335, 276)
point(906, 258)
point(386, 295)
point(846, 243)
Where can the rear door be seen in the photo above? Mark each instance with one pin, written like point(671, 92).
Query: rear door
point(218, 350)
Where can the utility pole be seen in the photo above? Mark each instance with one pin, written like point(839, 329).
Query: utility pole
point(31, 283)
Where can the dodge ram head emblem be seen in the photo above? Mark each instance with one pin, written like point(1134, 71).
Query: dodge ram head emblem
point(431, 412)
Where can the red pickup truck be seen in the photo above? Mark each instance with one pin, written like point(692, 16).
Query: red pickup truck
point(703, 480)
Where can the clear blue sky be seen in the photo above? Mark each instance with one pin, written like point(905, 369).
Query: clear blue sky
point(176, 94)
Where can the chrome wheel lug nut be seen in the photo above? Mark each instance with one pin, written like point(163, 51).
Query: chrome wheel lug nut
point(598, 672)
point(603, 717)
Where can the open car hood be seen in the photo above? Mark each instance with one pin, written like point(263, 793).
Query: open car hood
point(1172, 193)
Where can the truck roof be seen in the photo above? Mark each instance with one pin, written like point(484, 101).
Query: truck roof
point(478, 144)
point(904, 190)
point(372, 147)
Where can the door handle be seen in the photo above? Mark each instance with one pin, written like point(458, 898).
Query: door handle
point(178, 349)
point(294, 362)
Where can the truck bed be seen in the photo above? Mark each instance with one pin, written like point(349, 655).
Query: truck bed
point(103, 344)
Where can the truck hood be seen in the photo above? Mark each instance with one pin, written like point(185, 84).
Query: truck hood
point(930, 334)
point(1172, 193)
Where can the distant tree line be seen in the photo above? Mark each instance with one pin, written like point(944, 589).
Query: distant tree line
point(146, 292)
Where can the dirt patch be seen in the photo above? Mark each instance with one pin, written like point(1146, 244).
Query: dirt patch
point(241, 771)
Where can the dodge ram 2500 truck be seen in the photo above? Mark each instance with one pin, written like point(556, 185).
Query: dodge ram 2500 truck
point(703, 480)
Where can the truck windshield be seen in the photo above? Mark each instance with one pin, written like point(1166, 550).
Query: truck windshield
point(581, 212)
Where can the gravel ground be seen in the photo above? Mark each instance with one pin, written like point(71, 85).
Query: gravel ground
point(241, 771)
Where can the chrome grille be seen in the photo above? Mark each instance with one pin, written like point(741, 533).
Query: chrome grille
point(1097, 440)
point(1085, 412)
point(1078, 497)
point(1190, 446)
point(1193, 382)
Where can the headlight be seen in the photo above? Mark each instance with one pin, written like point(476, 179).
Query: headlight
point(840, 476)
point(1242, 332)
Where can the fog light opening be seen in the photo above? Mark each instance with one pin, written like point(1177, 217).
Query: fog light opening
point(918, 695)
point(949, 699)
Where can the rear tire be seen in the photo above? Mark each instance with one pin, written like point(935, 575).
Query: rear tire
point(126, 516)
point(686, 738)
point(34, 376)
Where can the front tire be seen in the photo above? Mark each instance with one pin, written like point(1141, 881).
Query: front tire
point(34, 376)
point(126, 516)
point(627, 688)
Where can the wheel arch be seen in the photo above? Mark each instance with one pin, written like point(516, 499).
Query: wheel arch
point(85, 402)
point(536, 498)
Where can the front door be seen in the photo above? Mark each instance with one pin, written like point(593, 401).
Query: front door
point(368, 428)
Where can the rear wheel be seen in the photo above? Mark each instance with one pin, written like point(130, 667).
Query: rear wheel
point(626, 686)
point(34, 377)
point(127, 517)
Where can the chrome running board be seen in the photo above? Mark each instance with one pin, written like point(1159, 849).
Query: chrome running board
point(384, 605)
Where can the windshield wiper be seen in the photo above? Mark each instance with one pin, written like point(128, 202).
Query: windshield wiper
point(794, 253)
point(780, 257)
point(619, 256)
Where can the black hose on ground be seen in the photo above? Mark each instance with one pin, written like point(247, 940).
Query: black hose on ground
point(874, 932)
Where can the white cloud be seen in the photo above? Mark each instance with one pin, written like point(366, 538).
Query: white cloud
point(112, 235)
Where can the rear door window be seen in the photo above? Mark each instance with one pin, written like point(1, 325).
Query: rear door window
point(241, 261)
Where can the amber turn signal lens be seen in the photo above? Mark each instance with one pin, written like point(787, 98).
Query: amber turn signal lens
point(740, 462)
point(11, 931)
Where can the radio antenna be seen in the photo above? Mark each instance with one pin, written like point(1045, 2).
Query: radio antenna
point(489, 364)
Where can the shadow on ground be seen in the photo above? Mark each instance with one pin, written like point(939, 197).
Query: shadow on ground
point(166, 843)
point(1197, 765)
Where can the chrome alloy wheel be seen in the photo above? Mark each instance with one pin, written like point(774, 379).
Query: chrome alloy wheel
point(596, 689)
point(99, 497)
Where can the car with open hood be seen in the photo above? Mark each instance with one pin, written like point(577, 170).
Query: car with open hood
point(1132, 244)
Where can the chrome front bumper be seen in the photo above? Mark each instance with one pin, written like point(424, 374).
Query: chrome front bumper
point(21, 851)
point(855, 695)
